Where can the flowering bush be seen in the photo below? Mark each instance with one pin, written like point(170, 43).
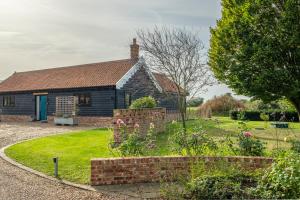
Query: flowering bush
point(247, 134)
point(134, 144)
point(249, 146)
point(192, 143)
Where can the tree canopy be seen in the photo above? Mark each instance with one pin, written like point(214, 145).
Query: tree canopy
point(255, 48)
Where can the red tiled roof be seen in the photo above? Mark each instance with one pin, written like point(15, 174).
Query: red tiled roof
point(165, 83)
point(79, 76)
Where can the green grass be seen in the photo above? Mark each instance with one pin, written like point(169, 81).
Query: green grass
point(217, 127)
point(75, 150)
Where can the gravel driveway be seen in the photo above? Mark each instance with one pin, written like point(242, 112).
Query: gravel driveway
point(18, 184)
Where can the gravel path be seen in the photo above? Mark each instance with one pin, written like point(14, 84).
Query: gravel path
point(17, 184)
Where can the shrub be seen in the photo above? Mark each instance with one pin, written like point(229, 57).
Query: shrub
point(249, 146)
point(282, 104)
point(217, 187)
point(221, 105)
point(296, 145)
point(221, 180)
point(144, 102)
point(273, 115)
point(282, 180)
point(192, 143)
point(134, 144)
point(195, 102)
point(264, 117)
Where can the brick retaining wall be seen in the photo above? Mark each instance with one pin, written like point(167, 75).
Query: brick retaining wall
point(143, 117)
point(154, 169)
point(15, 118)
point(102, 122)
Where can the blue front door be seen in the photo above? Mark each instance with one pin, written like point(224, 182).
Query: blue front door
point(43, 108)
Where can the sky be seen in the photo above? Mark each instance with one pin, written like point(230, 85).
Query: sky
point(39, 34)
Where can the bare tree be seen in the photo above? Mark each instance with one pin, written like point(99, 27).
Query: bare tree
point(180, 55)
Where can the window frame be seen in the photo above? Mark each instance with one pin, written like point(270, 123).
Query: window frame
point(11, 98)
point(85, 96)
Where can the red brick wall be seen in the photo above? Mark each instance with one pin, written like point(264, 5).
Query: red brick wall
point(102, 122)
point(143, 117)
point(153, 169)
point(15, 118)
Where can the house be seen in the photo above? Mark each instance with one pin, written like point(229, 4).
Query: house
point(100, 87)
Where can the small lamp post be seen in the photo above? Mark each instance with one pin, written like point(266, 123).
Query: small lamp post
point(55, 161)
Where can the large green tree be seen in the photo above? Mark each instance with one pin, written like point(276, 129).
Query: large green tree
point(255, 48)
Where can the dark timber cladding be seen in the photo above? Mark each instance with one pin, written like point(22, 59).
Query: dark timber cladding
point(102, 102)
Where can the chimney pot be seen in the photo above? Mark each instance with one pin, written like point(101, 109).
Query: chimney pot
point(134, 50)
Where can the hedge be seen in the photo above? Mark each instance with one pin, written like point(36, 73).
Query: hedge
point(273, 115)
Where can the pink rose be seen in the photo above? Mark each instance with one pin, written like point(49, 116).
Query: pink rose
point(136, 126)
point(247, 134)
point(120, 122)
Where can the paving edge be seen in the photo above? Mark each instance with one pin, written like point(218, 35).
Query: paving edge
point(62, 181)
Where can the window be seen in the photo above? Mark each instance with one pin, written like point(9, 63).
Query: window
point(84, 99)
point(9, 101)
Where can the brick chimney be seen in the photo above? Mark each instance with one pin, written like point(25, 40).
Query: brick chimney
point(134, 50)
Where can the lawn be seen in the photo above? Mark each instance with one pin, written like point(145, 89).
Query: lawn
point(76, 149)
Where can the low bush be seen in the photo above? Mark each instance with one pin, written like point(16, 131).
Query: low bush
point(215, 187)
point(144, 102)
point(133, 143)
point(193, 144)
point(282, 180)
point(221, 180)
point(295, 145)
point(273, 115)
point(132, 146)
point(249, 146)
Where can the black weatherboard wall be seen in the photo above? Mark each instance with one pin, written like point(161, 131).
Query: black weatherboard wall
point(102, 102)
point(24, 105)
point(140, 85)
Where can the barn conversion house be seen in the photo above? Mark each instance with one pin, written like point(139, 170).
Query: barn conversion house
point(100, 87)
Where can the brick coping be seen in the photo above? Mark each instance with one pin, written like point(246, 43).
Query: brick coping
point(178, 156)
point(124, 109)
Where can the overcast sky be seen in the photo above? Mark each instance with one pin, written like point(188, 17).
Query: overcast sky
point(37, 34)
